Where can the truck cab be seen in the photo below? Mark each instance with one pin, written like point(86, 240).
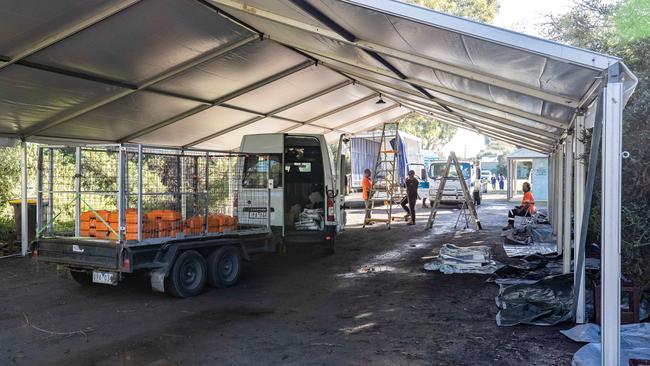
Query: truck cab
point(303, 186)
point(453, 192)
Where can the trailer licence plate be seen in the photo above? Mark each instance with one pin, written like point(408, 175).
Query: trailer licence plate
point(257, 214)
point(107, 278)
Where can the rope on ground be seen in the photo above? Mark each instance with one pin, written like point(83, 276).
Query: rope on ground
point(52, 333)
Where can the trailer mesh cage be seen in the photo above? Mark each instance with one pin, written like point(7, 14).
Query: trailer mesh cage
point(142, 194)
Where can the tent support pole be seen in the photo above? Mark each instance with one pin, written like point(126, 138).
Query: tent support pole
point(551, 188)
point(568, 204)
point(611, 219)
point(559, 221)
point(24, 219)
point(578, 199)
point(508, 196)
point(551, 203)
point(513, 178)
point(588, 196)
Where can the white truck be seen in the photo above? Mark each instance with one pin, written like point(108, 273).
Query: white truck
point(306, 195)
point(453, 192)
point(187, 217)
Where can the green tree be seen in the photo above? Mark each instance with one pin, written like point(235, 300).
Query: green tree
point(481, 10)
point(632, 20)
point(621, 29)
point(434, 134)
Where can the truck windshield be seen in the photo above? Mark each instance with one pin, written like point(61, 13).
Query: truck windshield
point(436, 170)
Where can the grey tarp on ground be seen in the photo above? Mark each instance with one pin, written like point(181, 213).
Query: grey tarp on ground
point(635, 343)
point(529, 240)
point(107, 71)
point(546, 302)
point(529, 270)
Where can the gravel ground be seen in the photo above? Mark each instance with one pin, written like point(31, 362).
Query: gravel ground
point(370, 303)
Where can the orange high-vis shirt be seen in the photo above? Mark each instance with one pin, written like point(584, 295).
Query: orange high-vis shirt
point(366, 186)
point(528, 198)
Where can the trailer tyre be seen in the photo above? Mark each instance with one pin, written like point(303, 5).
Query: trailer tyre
point(188, 275)
point(82, 278)
point(224, 267)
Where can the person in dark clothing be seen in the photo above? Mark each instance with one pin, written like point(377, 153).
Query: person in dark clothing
point(494, 182)
point(411, 197)
point(502, 181)
point(477, 193)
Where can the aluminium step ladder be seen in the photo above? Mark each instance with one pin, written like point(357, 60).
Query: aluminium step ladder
point(386, 178)
point(452, 160)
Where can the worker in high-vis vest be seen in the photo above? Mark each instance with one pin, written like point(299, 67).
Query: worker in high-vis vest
point(366, 187)
point(527, 207)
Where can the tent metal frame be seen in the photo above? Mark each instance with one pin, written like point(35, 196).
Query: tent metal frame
point(506, 123)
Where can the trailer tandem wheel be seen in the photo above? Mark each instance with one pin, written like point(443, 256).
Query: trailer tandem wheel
point(188, 275)
point(224, 266)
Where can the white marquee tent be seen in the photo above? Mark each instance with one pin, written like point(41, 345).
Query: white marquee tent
point(203, 73)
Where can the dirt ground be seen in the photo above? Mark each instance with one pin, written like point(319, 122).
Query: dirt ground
point(300, 308)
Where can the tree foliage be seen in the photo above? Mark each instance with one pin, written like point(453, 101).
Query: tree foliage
point(481, 10)
point(434, 134)
point(632, 20)
point(622, 30)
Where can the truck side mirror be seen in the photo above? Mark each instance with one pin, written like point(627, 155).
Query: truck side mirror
point(423, 174)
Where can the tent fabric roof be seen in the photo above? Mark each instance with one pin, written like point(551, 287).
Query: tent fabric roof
point(525, 154)
point(203, 73)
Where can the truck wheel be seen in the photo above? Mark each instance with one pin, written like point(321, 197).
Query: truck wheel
point(82, 278)
point(224, 267)
point(188, 275)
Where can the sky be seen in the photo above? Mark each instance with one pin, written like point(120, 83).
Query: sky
point(527, 15)
point(523, 16)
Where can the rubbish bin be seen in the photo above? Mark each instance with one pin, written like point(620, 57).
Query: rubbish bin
point(31, 218)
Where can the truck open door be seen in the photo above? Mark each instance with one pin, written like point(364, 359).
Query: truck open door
point(341, 164)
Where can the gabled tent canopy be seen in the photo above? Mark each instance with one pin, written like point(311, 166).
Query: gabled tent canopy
point(206, 72)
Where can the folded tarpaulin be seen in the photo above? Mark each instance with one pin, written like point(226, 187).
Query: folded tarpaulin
point(528, 240)
point(527, 271)
point(635, 343)
point(454, 259)
point(546, 302)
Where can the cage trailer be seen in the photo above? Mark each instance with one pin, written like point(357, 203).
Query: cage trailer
point(104, 211)
point(187, 217)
